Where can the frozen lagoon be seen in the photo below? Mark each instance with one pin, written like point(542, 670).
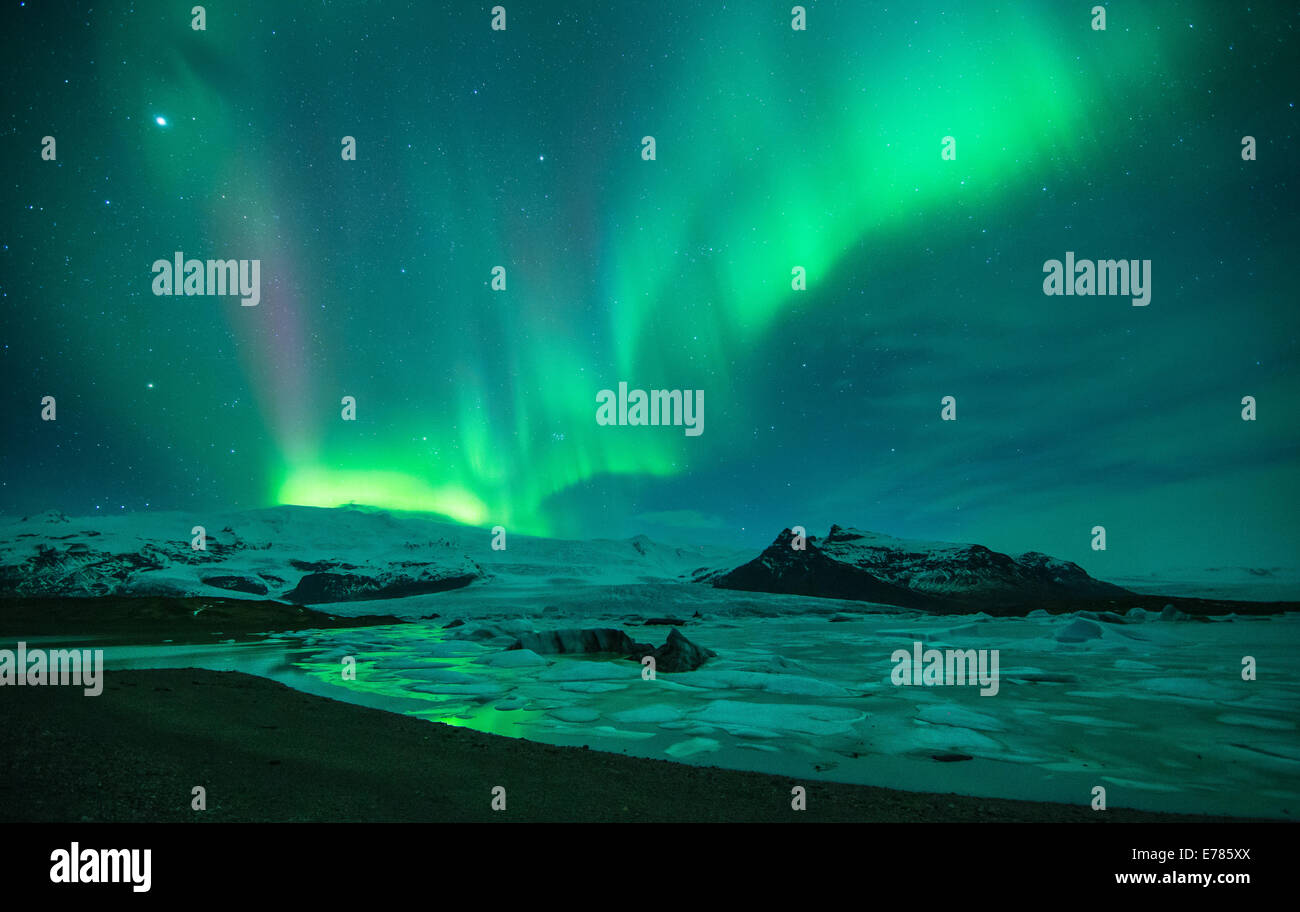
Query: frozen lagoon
point(1154, 710)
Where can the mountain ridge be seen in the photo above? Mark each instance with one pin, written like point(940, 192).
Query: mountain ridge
point(945, 578)
point(314, 555)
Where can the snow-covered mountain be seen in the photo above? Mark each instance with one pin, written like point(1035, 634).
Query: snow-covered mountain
point(319, 556)
point(306, 555)
point(932, 576)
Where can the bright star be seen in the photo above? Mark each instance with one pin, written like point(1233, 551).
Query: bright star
point(160, 120)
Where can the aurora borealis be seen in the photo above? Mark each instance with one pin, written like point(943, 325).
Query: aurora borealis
point(774, 149)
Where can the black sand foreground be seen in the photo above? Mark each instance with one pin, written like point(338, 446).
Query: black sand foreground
point(265, 752)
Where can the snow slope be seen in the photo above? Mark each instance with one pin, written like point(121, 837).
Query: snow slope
point(307, 555)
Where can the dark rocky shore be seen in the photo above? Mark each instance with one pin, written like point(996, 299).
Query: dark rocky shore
point(142, 619)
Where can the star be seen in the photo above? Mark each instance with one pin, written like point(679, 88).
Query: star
point(160, 120)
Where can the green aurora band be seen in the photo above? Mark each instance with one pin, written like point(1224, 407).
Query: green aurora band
point(787, 151)
point(775, 149)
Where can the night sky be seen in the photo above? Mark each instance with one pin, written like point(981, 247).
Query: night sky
point(775, 148)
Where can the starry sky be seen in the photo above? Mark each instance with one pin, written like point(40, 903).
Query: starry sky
point(774, 148)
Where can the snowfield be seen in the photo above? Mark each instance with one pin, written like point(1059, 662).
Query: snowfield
point(307, 555)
